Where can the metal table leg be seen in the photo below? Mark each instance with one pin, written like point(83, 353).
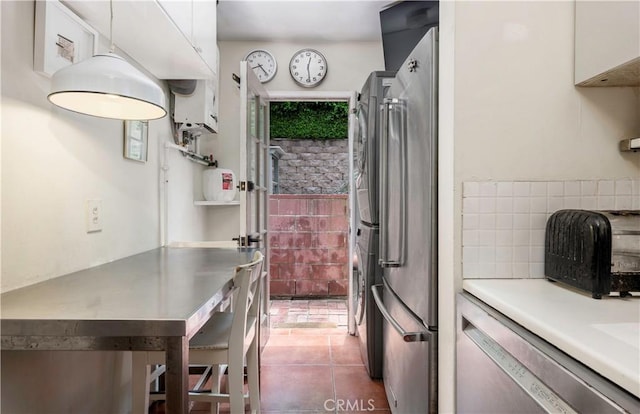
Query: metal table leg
point(177, 375)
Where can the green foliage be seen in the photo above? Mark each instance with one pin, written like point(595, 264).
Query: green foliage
point(309, 120)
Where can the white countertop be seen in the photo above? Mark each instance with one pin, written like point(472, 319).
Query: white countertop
point(602, 334)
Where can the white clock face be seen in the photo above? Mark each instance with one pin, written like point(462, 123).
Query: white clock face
point(308, 67)
point(263, 64)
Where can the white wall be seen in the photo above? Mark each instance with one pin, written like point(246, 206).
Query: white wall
point(349, 64)
point(52, 162)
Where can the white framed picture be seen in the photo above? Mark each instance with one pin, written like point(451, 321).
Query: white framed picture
point(136, 138)
point(61, 38)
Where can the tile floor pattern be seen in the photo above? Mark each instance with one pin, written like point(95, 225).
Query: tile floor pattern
point(312, 365)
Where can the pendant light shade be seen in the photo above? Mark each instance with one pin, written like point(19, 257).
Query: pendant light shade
point(107, 86)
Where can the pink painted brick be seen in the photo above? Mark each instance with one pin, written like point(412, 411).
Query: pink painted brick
point(294, 271)
point(322, 207)
point(338, 287)
point(329, 272)
point(282, 287)
point(296, 240)
point(295, 207)
point(274, 240)
point(306, 223)
point(278, 256)
point(332, 239)
point(273, 206)
point(311, 256)
point(274, 271)
point(311, 288)
point(339, 207)
point(337, 224)
point(337, 256)
point(279, 223)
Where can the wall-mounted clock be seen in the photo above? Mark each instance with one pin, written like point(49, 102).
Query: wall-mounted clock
point(308, 67)
point(263, 64)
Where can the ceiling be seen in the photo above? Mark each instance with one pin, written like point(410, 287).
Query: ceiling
point(307, 20)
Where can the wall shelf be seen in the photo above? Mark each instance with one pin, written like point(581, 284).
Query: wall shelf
point(216, 203)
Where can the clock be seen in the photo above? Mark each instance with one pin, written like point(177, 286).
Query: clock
point(308, 67)
point(263, 64)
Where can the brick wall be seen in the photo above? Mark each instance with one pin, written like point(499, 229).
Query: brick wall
point(309, 245)
point(312, 166)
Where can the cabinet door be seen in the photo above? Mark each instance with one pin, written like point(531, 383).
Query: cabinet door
point(181, 12)
point(607, 43)
point(204, 38)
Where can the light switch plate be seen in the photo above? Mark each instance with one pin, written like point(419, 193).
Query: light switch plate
point(94, 215)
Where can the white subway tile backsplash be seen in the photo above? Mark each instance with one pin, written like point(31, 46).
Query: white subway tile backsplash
point(470, 238)
point(471, 205)
point(624, 203)
point(521, 189)
point(537, 221)
point(503, 237)
point(487, 205)
point(505, 189)
point(471, 189)
point(624, 187)
point(572, 188)
point(470, 221)
point(538, 189)
point(504, 205)
point(488, 189)
point(606, 188)
point(606, 203)
point(503, 223)
point(487, 238)
point(521, 204)
point(554, 204)
point(589, 203)
point(486, 221)
point(538, 204)
point(588, 188)
point(555, 189)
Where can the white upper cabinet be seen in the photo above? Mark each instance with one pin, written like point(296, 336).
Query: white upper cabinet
point(171, 39)
point(607, 43)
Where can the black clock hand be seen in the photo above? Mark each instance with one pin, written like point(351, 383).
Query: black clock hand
point(308, 71)
point(265, 72)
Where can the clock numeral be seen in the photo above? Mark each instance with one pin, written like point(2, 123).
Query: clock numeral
point(308, 54)
point(315, 79)
point(321, 67)
point(294, 67)
point(296, 74)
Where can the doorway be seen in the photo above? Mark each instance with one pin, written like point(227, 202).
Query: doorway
point(332, 209)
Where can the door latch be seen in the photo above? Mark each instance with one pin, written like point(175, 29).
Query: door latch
point(246, 186)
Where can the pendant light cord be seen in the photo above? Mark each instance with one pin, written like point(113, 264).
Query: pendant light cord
point(112, 46)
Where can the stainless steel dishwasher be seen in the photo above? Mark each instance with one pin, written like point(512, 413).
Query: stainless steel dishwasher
point(503, 368)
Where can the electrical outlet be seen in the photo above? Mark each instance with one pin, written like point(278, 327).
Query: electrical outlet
point(94, 215)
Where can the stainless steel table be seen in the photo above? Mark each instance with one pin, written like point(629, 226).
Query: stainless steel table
point(153, 301)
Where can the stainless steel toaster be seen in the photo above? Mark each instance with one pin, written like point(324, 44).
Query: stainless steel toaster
point(597, 251)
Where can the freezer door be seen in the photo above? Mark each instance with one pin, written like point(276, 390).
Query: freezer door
point(410, 357)
point(408, 224)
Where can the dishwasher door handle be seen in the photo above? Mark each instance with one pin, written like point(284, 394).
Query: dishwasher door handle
point(421, 336)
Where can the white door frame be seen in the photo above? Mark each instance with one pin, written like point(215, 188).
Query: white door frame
point(334, 96)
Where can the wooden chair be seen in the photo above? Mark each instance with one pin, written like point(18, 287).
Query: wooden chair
point(227, 339)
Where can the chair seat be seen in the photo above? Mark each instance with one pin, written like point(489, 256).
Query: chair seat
point(215, 333)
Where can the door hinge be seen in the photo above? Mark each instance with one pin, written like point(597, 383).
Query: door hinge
point(246, 241)
point(246, 186)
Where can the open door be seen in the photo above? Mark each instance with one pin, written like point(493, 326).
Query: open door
point(254, 177)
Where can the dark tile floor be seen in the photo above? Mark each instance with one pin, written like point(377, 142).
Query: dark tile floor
point(312, 365)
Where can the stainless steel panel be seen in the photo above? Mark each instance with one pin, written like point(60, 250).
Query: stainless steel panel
point(367, 316)
point(411, 156)
point(409, 368)
point(501, 367)
point(367, 145)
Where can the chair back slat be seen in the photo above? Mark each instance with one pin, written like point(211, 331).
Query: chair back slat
point(248, 281)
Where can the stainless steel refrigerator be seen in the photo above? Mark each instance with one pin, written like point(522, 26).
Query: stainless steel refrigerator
point(407, 296)
point(368, 320)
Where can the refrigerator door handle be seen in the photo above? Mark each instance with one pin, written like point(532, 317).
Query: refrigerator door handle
point(422, 336)
point(384, 260)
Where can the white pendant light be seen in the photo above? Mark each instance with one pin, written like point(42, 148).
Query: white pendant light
point(107, 86)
